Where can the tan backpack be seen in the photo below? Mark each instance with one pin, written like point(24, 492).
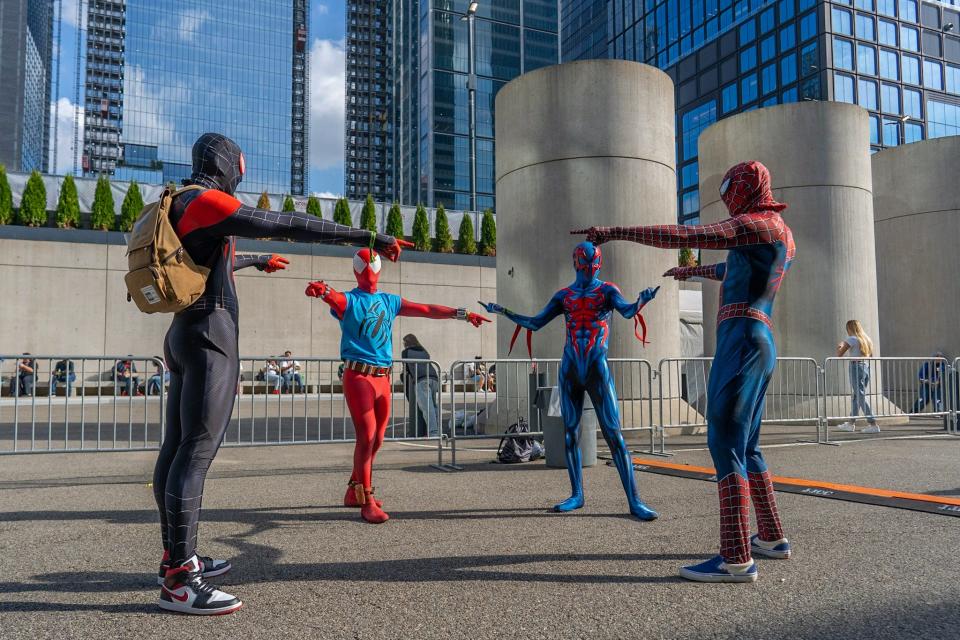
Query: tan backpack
point(161, 275)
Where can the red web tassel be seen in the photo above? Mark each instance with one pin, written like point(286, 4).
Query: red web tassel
point(513, 340)
point(640, 329)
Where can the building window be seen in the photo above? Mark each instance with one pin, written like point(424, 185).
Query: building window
point(867, 94)
point(842, 21)
point(809, 59)
point(748, 59)
point(912, 132)
point(843, 88)
point(729, 98)
point(790, 95)
point(889, 65)
point(767, 20)
point(866, 5)
point(890, 98)
point(769, 102)
point(748, 32)
point(891, 132)
point(911, 104)
point(806, 4)
point(942, 119)
point(695, 121)
point(768, 79)
point(909, 38)
point(748, 88)
point(932, 75)
point(953, 79)
point(874, 130)
point(788, 69)
point(865, 30)
point(810, 88)
point(786, 9)
point(887, 8)
point(768, 49)
point(689, 176)
point(808, 26)
point(908, 10)
point(689, 204)
point(842, 54)
point(866, 59)
point(911, 69)
point(888, 33)
point(788, 38)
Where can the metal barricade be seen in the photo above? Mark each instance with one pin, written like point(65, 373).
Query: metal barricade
point(791, 404)
point(909, 395)
point(81, 403)
point(488, 396)
point(953, 398)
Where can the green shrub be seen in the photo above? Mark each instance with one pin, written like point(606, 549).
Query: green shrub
point(131, 207)
point(264, 201)
point(68, 205)
point(313, 207)
point(341, 213)
point(421, 230)
point(687, 257)
point(102, 216)
point(6, 198)
point(395, 222)
point(33, 205)
point(466, 242)
point(443, 241)
point(288, 205)
point(488, 234)
point(368, 217)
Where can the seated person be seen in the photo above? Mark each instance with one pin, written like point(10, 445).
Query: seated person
point(271, 375)
point(26, 373)
point(160, 378)
point(124, 375)
point(290, 371)
point(63, 373)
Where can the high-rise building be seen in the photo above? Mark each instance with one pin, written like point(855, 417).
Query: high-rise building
point(159, 73)
point(407, 126)
point(26, 28)
point(899, 59)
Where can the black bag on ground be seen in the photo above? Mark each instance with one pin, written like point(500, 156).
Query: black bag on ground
point(514, 449)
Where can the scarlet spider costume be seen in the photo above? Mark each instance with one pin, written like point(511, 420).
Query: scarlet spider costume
point(586, 305)
point(200, 349)
point(760, 249)
point(366, 318)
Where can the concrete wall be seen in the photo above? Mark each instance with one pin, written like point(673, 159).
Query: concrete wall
point(581, 144)
point(69, 297)
point(916, 200)
point(819, 157)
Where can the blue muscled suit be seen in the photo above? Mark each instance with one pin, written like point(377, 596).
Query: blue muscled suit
point(586, 305)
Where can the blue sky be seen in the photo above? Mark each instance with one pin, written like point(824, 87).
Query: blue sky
point(326, 93)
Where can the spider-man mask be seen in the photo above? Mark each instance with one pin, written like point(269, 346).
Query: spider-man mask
point(218, 163)
point(587, 259)
point(746, 189)
point(366, 267)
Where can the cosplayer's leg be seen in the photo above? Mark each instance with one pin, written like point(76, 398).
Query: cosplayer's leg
point(603, 395)
point(171, 442)
point(360, 392)
point(571, 408)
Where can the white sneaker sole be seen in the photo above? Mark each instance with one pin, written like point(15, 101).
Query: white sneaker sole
point(769, 553)
point(178, 607)
point(713, 577)
point(205, 574)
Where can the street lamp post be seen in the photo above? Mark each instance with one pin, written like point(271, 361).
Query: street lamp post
point(472, 93)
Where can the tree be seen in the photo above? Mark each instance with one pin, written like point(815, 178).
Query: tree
point(33, 204)
point(441, 226)
point(395, 222)
point(6, 197)
point(466, 242)
point(313, 207)
point(288, 205)
point(368, 217)
point(488, 234)
point(131, 207)
point(341, 213)
point(68, 205)
point(687, 257)
point(264, 201)
point(421, 230)
point(102, 215)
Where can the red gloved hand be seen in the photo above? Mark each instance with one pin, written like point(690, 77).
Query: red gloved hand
point(476, 319)
point(392, 252)
point(276, 263)
point(594, 234)
point(678, 273)
point(317, 289)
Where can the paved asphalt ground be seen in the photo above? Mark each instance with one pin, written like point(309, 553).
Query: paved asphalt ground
point(475, 554)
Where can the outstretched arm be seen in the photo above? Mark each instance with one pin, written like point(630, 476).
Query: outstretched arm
point(534, 323)
point(438, 312)
point(268, 262)
point(223, 215)
point(733, 232)
point(709, 271)
point(336, 300)
point(623, 306)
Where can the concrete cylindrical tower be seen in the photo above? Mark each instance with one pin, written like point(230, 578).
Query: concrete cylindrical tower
point(916, 201)
point(581, 144)
point(818, 154)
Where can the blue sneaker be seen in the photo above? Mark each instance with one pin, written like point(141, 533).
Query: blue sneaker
point(779, 549)
point(641, 511)
point(716, 570)
point(571, 503)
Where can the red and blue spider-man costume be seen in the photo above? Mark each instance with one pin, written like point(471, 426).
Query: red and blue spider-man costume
point(760, 248)
point(586, 305)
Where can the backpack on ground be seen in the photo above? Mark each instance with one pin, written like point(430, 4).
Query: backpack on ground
point(518, 449)
point(161, 275)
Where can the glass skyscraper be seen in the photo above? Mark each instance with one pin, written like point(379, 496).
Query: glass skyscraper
point(160, 72)
point(420, 128)
point(899, 59)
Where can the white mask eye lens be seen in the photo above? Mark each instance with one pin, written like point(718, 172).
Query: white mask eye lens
point(359, 264)
point(375, 265)
point(724, 186)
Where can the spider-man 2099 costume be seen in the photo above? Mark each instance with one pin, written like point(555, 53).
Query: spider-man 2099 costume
point(760, 249)
point(586, 305)
point(201, 352)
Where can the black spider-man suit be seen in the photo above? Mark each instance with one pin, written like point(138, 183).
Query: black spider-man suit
point(201, 344)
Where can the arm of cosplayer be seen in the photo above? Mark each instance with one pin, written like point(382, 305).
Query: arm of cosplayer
point(412, 309)
point(336, 300)
point(630, 309)
point(726, 234)
point(534, 323)
point(708, 271)
point(268, 262)
point(223, 215)
point(842, 348)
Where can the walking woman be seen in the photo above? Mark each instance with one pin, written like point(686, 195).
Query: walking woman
point(857, 344)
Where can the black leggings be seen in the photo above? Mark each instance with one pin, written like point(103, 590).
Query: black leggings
point(201, 352)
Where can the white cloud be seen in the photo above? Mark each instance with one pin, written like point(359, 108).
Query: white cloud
point(327, 92)
point(325, 194)
point(69, 12)
point(191, 21)
point(321, 9)
point(62, 113)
